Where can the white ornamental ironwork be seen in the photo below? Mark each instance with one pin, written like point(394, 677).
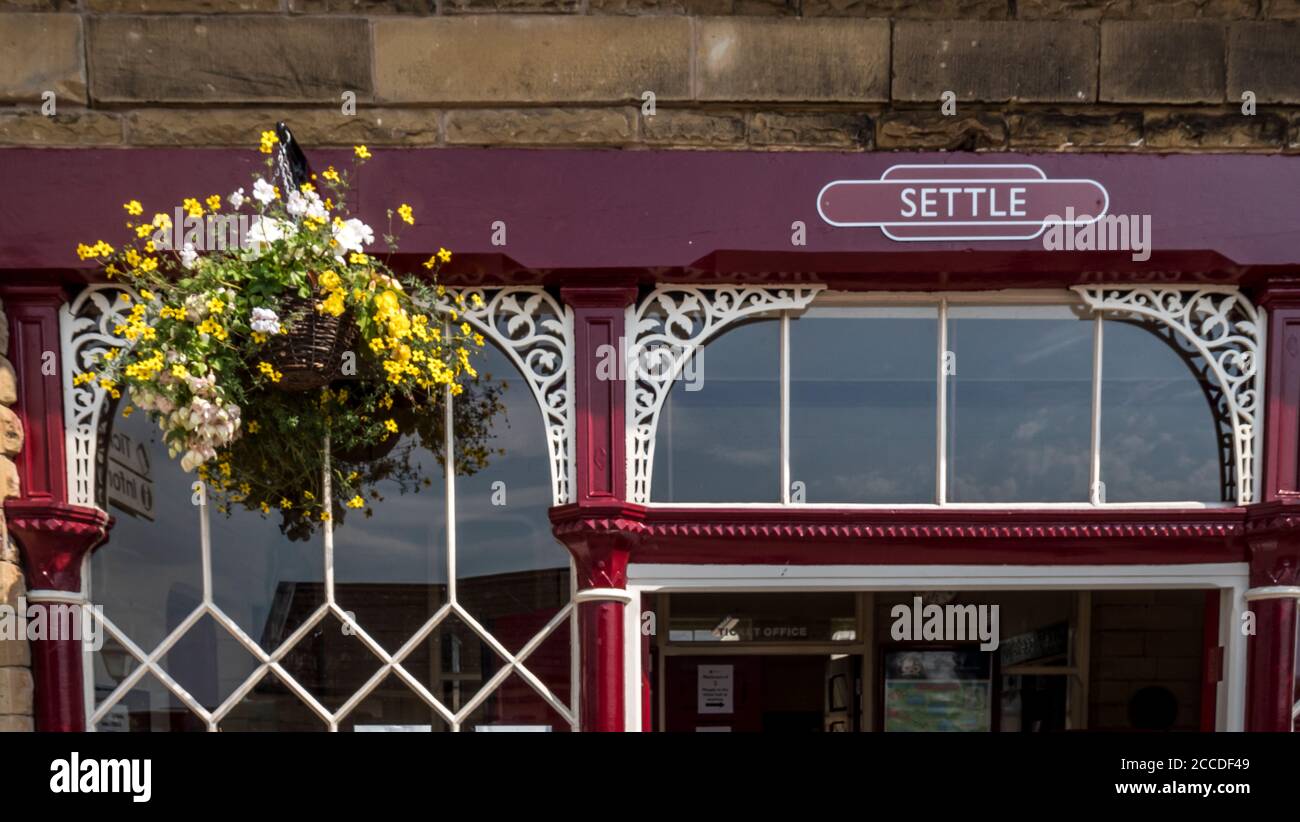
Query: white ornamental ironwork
point(536, 333)
point(529, 325)
point(533, 330)
point(666, 329)
point(1224, 329)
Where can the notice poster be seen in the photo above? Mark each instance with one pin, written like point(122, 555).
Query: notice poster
point(716, 688)
point(938, 691)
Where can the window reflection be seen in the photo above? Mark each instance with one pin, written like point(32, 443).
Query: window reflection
point(1020, 404)
point(391, 564)
point(148, 576)
point(862, 404)
point(721, 443)
point(1164, 435)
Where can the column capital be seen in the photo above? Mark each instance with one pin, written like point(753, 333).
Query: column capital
point(54, 538)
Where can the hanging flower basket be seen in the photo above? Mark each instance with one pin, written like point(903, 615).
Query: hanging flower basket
point(237, 352)
point(309, 351)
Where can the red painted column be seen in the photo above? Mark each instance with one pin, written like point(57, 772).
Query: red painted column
point(1274, 525)
point(53, 537)
point(601, 553)
point(1275, 587)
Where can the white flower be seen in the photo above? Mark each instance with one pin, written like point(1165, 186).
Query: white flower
point(188, 255)
point(237, 198)
point(196, 308)
point(296, 205)
point(315, 207)
point(265, 321)
point(263, 191)
point(264, 231)
point(352, 234)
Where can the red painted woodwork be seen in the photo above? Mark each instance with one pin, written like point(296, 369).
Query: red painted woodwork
point(1281, 455)
point(53, 539)
point(672, 215)
point(34, 348)
point(818, 536)
point(598, 315)
point(600, 555)
point(1274, 539)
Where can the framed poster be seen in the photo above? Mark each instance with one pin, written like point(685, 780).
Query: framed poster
point(932, 688)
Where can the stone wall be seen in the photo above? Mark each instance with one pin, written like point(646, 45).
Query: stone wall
point(1031, 75)
point(15, 656)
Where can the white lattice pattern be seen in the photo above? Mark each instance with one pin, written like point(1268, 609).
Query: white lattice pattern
point(1223, 327)
point(666, 328)
point(525, 322)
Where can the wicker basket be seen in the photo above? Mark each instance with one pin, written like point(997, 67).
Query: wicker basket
point(309, 353)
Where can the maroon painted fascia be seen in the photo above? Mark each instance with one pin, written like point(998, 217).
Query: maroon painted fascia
point(673, 215)
point(820, 536)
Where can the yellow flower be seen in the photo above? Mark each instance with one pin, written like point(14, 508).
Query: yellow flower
point(252, 427)
point(148, 264)
point(216, 306)
point(308, 495)
point(362, 152)
point(356, 502)
point(444, 255)
point(357, 258)
point(391, 425)
point(268, 141)
point(307, 186)
point(146, 294)
point(192, 207)
point(330, 280)
point(126, 412)
point(269, 370)
point(143, 230)
point(405, 211)
point(133, 208)
point(213, 202)
point(330, 174)
point(332, 305)
point(324, 516)
point(162, 221)
point(266, 509)
point(285, 504)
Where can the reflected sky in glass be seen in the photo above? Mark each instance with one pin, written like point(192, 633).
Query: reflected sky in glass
point(721, 443)
point(1020, 404)
point(862, 404)
point(1158, 431)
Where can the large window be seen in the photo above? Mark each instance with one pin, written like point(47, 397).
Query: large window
point(403, 623)
point(949, 400)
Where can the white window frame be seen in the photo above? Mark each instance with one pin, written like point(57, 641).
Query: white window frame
point(1231, 580)
point(1242, 338)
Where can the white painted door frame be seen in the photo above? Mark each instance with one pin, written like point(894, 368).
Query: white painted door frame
point(1231, 579)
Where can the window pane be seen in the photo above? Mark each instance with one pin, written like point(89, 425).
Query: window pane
point(720, 428)
point(148, 576)
point(512, 574)
point(1160, 439)
point(1020, 404)
point(862, 404)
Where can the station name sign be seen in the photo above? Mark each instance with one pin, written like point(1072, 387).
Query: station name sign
point(943, 203)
